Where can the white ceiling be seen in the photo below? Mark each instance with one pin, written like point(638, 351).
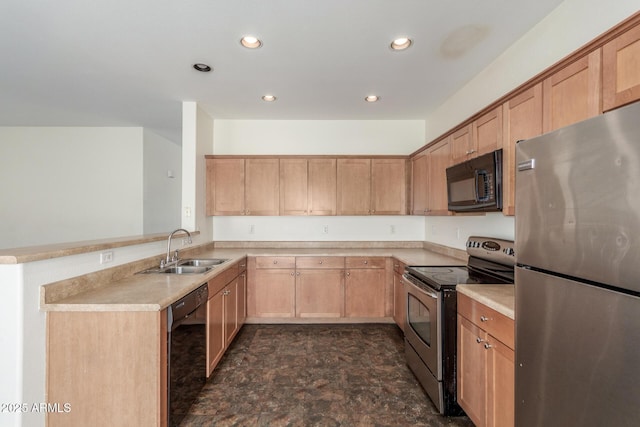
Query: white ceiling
point(129, 62)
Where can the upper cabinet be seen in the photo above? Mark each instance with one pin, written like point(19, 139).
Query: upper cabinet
point(354, 186)
point(388, 186)
point(573, 93)
point(242, 187)
point(225, 187)
point(522, 116)
point(482, 136)
point(307, 186)
point(420, 183)
point(371, 187)
point(462, 145)
point(439, 159)
point(621, 69)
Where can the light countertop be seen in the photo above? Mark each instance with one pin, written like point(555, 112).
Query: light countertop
point(155, 292)
point(501, 298)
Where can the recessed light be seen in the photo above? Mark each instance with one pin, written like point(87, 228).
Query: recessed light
point(401, 43)
point(372, 98)
point(269, 98)
point(202, 67)
point(250, 42)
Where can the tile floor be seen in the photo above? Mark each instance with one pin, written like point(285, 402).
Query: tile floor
point(315, 375)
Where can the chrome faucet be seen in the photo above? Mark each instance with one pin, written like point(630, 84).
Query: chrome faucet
point(169, 259)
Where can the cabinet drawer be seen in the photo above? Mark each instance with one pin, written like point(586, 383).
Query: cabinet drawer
point(398, 266)
point(365, 262)
point(320, 262)
point(275, 262)
point(223, 278)
point(489, 320)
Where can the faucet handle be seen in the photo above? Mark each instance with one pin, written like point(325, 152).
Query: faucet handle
point(175, 255)
point(162, 263)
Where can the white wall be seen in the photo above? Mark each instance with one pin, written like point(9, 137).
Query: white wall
point(162, 192)
point(570, 26)
point(64, 184)
point(308, 137)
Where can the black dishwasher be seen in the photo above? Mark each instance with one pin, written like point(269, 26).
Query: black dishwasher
point(186, 352)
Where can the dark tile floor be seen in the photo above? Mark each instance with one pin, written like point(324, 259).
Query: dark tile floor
point(315, 375)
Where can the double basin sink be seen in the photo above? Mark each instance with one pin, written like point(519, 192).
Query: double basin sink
point(188, 266)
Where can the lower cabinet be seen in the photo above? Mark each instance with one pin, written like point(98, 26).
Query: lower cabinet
point(365, 287)
point(225, 311)
point(399, 296)
point(317, 287)
point(486, 371)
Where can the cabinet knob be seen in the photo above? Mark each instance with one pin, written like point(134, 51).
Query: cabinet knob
point(297, 273)
point(366, 262)
point(348, 274)
point(320, 261)
point(275, 261)
point(291, 273)
point(483, 318)
point(487, 346)
point(479, 340)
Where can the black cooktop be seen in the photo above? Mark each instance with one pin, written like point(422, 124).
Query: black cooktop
point(448, 277)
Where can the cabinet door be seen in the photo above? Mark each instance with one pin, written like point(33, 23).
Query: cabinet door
point(420, 184)
point(273, 293)
point(572, 94)
point(215, 330)
point(621, 69)
point(439, 161)
point(262, 195)
point(354, 186)
point(320, 293)
point(471, 374)
point(364, 292)
point(322, 187)
point(230, 311)
point(293, 187)
point(399, 299)
point(225, 187)
point(522, 119)
point(388, 187)
point(487, 132)
point(501, 392)
point(462, 145)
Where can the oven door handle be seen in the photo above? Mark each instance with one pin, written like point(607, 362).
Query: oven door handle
point(432, 294)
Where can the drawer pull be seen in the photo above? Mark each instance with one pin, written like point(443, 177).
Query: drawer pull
point(483, 318)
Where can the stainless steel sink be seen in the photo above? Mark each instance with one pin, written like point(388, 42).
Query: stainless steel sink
point(188, 266)
point(202, 262)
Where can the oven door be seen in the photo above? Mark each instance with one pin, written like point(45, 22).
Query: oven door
point(422, 330)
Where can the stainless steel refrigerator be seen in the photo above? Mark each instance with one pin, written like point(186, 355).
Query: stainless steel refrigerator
point(578, 274)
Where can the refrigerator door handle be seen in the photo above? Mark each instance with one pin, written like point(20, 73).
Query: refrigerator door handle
point(526, 165)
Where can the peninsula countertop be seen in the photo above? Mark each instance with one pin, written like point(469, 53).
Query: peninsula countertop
point(155, 292)
point(501, 298)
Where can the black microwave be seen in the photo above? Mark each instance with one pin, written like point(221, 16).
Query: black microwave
point(476, 185)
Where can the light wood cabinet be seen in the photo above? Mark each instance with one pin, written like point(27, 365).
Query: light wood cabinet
point(420, 183)
point(487, 132)
point(271, 287)
point(388, 187)
point(365, 287)
point(522, 119)
point(262, 194)
point(572, 94)
point(486, 370)
point(107, 366)
point(308, 186)
point(439, 155)
point(621, 69)
point(319, 286)
point(225, 311)
point(462, 145)
point(399, 295)
point(354, 186)
point(225, 187)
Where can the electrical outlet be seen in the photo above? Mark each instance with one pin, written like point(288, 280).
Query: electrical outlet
point(457, 232)
point(392, 229)
point(187, 211)
point(325, 229)
point(252, 229)
point(106, 257)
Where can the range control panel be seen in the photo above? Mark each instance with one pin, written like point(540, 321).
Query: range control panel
point(497, 250)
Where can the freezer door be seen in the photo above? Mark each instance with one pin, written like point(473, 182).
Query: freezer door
point(577, 354)
point(578, 200)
